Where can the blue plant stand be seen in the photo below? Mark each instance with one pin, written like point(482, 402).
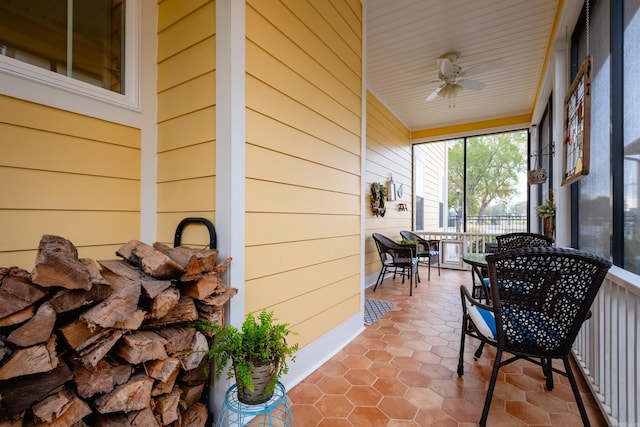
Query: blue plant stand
point(274, 412)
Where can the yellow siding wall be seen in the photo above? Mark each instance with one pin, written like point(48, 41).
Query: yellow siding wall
point(65, 174)
point(186, 116)
point(388, 151)
point(303, 161)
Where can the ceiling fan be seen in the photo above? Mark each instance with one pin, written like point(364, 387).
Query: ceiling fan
point(454, 79)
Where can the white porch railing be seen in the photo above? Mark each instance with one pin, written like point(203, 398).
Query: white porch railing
point(608, 346)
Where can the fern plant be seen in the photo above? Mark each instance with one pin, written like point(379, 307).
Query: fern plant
point(260, 340)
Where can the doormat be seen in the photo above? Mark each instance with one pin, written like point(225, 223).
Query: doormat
point(375, 309)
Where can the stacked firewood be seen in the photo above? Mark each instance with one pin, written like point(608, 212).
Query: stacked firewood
point(108, 343)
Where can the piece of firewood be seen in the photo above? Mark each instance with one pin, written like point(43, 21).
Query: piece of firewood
point(61, 409)
point(150, 260)
point(116, 419)
point(164, 387)
point(178, 339)
point(195, 376)
point(57, 264)
point(203, 287)
point(196, 352)
point(70, 299)
point(22, 392)
point(150, 286)
point(213, 314)
point(133, 395)
point(92, 354)
point(76, 333)
point(167, 406)
point(195, 415)
point(161, 369)
point(121, 305)
point(190, 394)
point(92, 381)
point(17, 293)
point(37, 330)
point(18, 317)
point(31, 360)
point(133, 323)
point(184, 311)
point(142, 418)
point(164, 302)
point(140, 346)
point(203, 263)
point(221, 295)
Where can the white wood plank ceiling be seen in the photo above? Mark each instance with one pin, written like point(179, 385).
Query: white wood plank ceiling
point(406, 37)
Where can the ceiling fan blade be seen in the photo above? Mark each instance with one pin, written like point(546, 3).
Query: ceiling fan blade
point(471, 84)
point(445, 65)
point(485, 66)
point(433, 95)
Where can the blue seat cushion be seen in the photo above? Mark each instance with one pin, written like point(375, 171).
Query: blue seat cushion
point(484, 321)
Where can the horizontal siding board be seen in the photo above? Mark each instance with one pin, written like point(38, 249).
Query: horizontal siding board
point(324, 30)
point(264, 196)
point(290, 25)
point(278, 167)
point(23, 229)
point(189, 129)
point(187, 64)
point(351, 12)
point(303, 63)
point(187, 32)
point(64, 191)
point(190, 96)
point(35, 116)
point(195, 161)
point(271, 134)
point(172, 11)
point(29, 148)
point(266, 68)
point(320, 321)
point(269, 290)
point(263, 98)
point(272, 259)
point(333, 14)
point(193, 194)
point(262, 228)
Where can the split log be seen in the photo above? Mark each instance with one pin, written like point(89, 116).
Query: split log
point(31, 360)
point(17, 293)
point(101, 379)
point(151, 287)
point(37, 330)
point(193, 260)
point(77, 333)
point(202, 288)
point(21, 392)
point(222, 294)
point(99, 347)
point(18, 317)
point(133, 323)
point(178, 339)
point(195, 415)
point(196, 353)
point(150, 260)
point(167, 406)
point(184, 311)
point(164, 387)
point(134, 395)
point(111, 420)
point(162, 369)
point(71, 299)
point(213, 314)
point(141, 346)
point(164, 302)
point(142, 418)
point(195, 376)
point(121, 305)
point(57, 264)
point(61, 410)
point(190, 394)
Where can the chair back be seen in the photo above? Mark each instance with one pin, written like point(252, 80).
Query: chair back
point(541, 296)
point(428, 245)
point(522, 240)
point(388, 248)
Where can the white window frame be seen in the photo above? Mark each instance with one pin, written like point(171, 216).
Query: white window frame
point(26, 81)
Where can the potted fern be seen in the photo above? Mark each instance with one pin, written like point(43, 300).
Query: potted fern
point(258, 352)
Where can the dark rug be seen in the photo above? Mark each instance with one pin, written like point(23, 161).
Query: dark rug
point(375, 309)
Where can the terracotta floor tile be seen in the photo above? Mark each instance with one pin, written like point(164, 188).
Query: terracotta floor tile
point(402, 371)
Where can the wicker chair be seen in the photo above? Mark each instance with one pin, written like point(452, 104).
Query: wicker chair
point(396, 257)
point(540, 298)
point(522, 240)
point(428, 251)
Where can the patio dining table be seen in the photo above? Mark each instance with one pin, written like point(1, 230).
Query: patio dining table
point(479, 281)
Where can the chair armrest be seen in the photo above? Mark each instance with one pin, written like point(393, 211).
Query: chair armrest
point(466, 297)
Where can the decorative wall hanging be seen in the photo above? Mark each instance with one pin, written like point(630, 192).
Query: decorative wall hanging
point(391, 190)
point(577, 116)
point(378, 196)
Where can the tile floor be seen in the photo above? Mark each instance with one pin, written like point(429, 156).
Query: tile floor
point(401, 371)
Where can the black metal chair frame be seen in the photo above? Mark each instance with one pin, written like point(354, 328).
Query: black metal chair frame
point(397, 257)
point(540, 298)
point(428, 251)
point(522, 240)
